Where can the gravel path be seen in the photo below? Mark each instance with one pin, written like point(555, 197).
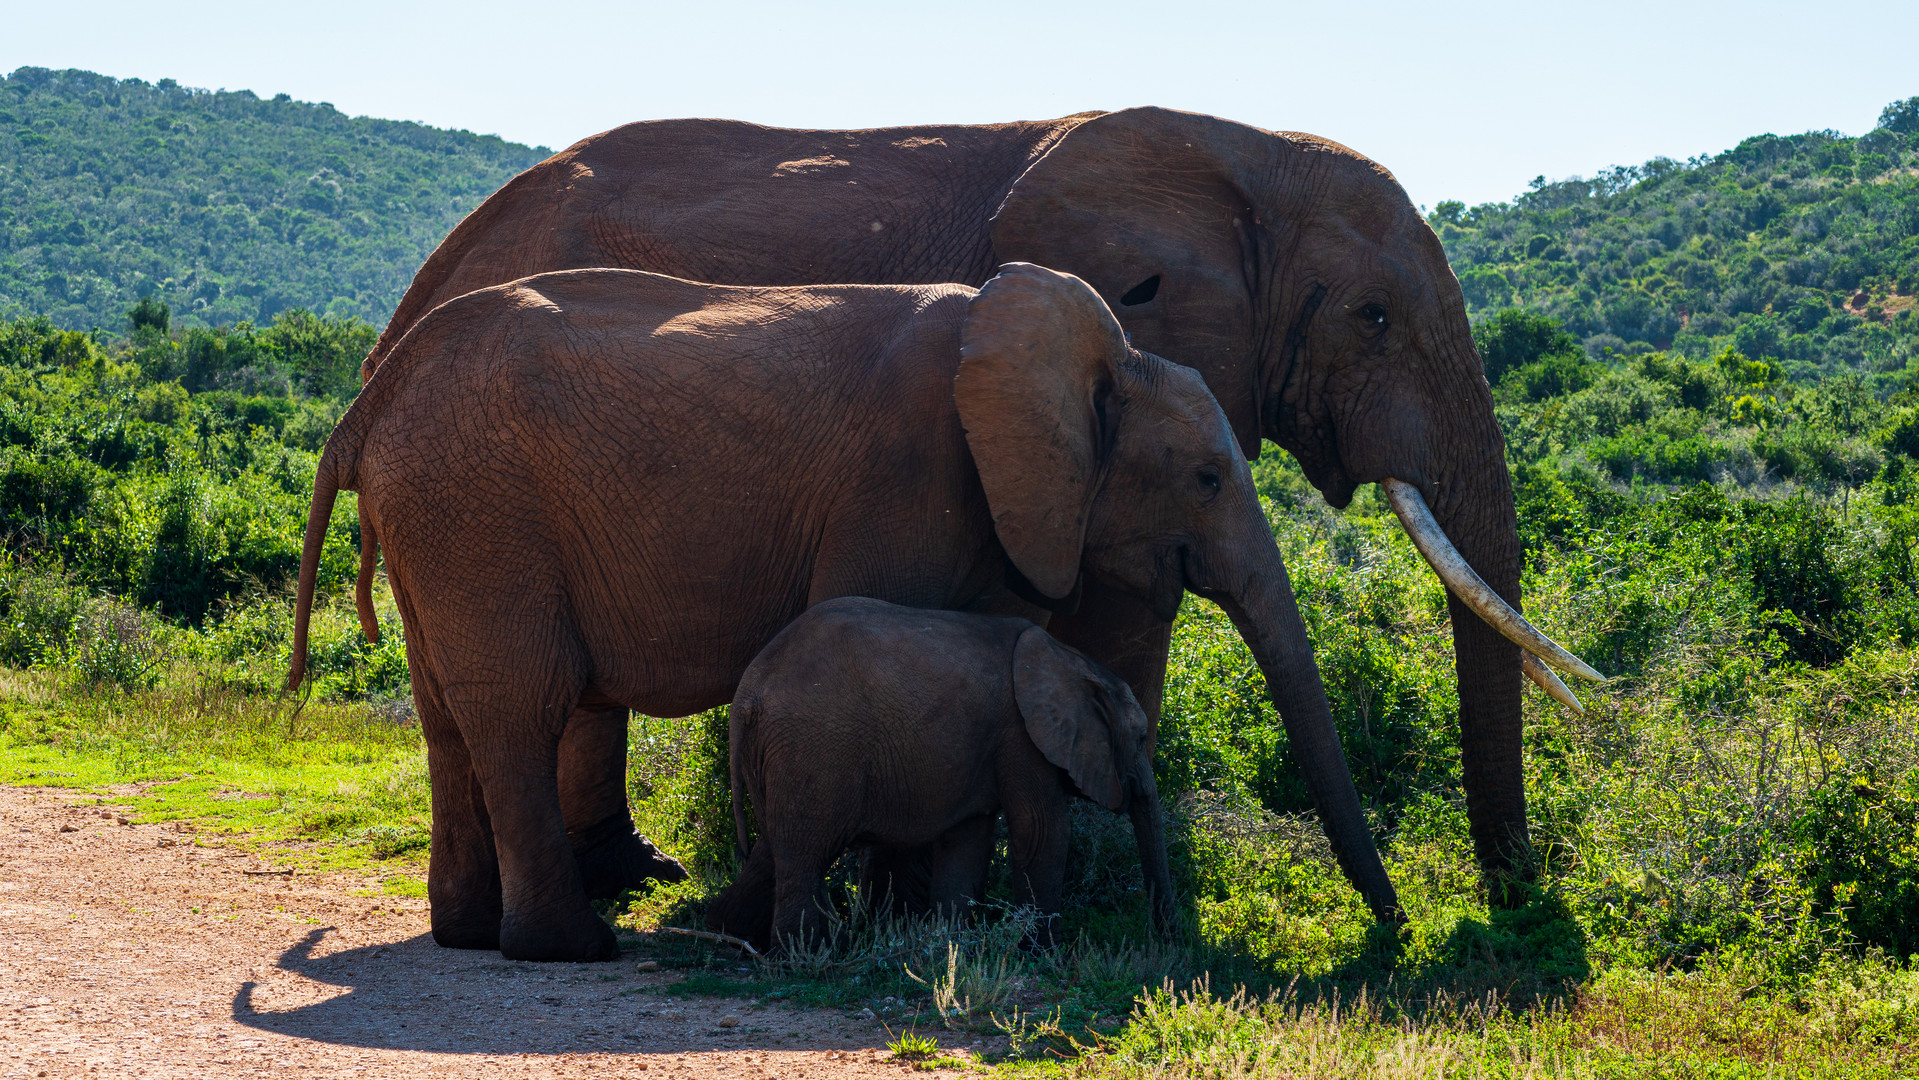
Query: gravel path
point(128, 950)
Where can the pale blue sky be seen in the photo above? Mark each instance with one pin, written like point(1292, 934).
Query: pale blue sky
point(1466, 101)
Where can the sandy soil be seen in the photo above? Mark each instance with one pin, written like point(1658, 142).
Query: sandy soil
point(128, 950)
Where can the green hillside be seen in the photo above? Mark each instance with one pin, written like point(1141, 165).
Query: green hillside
point(1803, 248)
point(226, 206)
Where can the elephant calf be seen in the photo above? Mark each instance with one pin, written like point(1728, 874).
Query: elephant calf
point(865, 723)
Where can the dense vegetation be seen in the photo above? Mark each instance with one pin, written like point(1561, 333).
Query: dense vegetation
point(226, 206)
point(162, 483)
point(1803, 249)
point(1728, 525)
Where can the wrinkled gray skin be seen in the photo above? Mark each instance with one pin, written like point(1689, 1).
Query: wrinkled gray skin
point(1291, 272)
point(864, 723)
point(580, 518)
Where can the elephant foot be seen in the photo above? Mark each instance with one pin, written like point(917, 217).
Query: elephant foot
point(466, 930)
point(745, 908)
point(581, 937)
point(1507, 863)
point(743, 916)
point(613, 858)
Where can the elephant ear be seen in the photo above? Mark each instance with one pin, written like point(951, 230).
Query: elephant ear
point(1039, 359)
point(1076, 713)
point(1158, 211)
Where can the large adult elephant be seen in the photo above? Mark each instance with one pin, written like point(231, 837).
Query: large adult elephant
point(1292, 272)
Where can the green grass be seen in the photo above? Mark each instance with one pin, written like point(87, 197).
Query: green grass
point(1704, 1024)
point(912, 1046)
point(334, 786)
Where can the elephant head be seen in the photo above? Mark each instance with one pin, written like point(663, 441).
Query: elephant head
point(1298, 278)
point(1102, 460)
point(1087, 722)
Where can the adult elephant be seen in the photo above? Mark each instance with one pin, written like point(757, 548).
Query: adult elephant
point(576, 510)
point(1292, 272)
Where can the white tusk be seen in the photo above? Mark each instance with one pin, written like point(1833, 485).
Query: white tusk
point(1549, 682)
point(1471, 589)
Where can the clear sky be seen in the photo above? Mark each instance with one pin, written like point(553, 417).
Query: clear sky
point(1468, 100)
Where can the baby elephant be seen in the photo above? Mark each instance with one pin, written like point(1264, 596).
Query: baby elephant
point(867, 724)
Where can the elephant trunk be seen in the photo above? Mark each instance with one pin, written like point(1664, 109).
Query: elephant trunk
point(1268, 620)
point(1149, 832)
point(1476, 513)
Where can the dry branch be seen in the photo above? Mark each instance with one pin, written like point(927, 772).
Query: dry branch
point(741, 944)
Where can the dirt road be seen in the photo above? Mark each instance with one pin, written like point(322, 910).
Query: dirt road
point(126, 950)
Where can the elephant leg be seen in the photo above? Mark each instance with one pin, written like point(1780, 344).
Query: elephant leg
point(799, 899)
point(1037, 831)
point(1124, 634)
point(513, 735)
point(894, 880)
point(463, 875)
point(959, 860)
point(745, 908)
point(612, 856)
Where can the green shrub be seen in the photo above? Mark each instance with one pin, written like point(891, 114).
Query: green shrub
point(1797, 558)
point(1550, 377)
point(1513, 339)
point(681, 793)
point(38, 612)
point(111, 644)
point(1658, 457)
point(47, 621)
point(1860, 842)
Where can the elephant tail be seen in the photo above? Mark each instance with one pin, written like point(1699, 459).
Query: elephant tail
point(363, 584)
point(326, 488)
point(738, 721)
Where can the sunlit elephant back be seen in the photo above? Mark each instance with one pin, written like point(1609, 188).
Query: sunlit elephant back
point(1292, 272)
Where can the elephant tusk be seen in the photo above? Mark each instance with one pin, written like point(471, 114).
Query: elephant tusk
point(1538, 672)
point(1471, 589)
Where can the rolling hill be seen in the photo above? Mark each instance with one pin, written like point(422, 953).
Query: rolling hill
point(226, 206)
point(1800, 248)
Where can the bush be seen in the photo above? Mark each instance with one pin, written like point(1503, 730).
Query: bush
point(111, 645)
point(47, 621)
point(1513, 339)
point(1796, 557)
point(1861, 848)
point(1550, 377)
point(38, 612)
point(1658, 457)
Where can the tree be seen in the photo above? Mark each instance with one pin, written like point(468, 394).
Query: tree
point(150, 313)
point(1901, 116)
point(1514, 338)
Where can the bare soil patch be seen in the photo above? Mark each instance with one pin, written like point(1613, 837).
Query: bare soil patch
point(131, 950)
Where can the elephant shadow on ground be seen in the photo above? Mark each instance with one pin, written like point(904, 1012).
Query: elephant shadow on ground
point(1523, 957)
point(415, 995)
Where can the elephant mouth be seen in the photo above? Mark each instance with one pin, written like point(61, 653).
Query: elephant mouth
point(1175, 579)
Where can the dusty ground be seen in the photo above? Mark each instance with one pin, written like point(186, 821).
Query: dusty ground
point(127, 950)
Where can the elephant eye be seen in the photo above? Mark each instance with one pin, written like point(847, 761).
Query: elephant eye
point(1141, 293)
point(1209, 481)
point(1372, 318)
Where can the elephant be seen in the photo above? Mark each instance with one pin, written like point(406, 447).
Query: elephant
point(608, 489)
point(1293, 273)
point(866, 723)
